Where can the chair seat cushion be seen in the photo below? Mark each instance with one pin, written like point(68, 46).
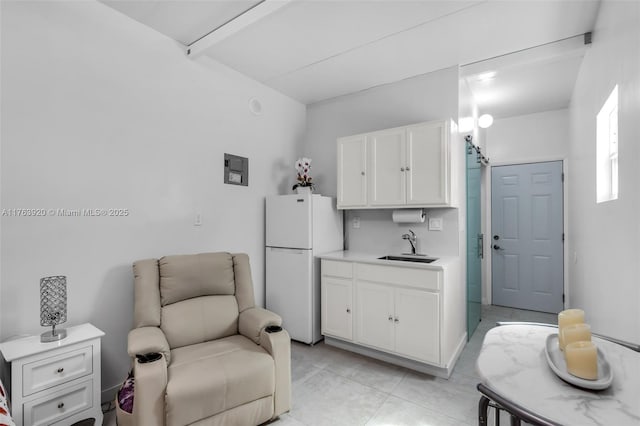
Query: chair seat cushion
point(211, 377)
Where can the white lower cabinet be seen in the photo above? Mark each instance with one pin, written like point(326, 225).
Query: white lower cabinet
point(417, 324)
point(337, 296)
point(391, 309)
point(401, 320)
point(374, 315)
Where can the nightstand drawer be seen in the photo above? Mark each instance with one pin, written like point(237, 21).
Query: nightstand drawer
point(49, 372)
point(59, 405)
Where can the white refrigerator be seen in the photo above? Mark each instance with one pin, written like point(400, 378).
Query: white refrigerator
point(298, 227)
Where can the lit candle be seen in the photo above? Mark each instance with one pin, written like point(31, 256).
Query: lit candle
point(576, 333)
point(582, 359)
point(568, 317)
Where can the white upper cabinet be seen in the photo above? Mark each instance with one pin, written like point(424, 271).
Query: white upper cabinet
point(352, 172)
point(428, 164)
point(387, 184)
point(408, 166)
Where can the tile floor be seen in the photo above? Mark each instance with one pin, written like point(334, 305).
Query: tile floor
point(335, 387)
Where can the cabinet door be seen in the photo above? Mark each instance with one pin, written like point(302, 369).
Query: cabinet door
point(337, 317)
point(388, 161)
point(428, 164)
point(374, 315)
point(417, 324)
point(352, 171)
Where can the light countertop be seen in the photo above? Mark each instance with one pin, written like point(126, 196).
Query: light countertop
point(372, 258)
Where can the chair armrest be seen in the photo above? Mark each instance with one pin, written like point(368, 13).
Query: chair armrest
point(253, 320)
point(278, 344)
point(143, 340)
point(151, 383)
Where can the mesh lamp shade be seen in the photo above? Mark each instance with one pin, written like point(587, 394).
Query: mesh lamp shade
point(53, 307)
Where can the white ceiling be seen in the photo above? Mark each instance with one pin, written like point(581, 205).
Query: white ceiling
point(313, 50)
point(525, 82)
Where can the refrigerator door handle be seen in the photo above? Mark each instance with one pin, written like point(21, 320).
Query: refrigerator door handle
point(288, 250)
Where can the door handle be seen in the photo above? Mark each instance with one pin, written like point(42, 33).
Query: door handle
point(481, 246)
point(497, 247)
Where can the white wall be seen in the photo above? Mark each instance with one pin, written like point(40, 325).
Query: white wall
point(432, 96)
point(99, 111)
point(530, 138)
point(604, 237)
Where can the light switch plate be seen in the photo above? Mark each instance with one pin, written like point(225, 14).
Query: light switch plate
point(435, 224)
point(356, 222)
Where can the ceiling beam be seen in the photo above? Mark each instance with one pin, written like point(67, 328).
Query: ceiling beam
point(259, 11)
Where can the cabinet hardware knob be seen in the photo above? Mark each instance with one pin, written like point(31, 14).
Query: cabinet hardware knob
point(396, 320)
point(407, 169)
point(390, 318)
point(61, 405)
point(348, 310)
point(402, 169)
point(362, 173)
point(60, 370)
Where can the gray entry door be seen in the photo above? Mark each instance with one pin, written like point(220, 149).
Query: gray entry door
point(527, 258)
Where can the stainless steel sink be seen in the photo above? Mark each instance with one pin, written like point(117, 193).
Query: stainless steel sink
point(409, 258)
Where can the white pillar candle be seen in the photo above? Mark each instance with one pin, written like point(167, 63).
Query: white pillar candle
point(568, 317)
point(582, 360)
point(576, 333)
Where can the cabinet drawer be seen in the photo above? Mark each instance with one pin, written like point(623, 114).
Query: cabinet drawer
point(412, 277)
point(59, 405)
point(49, 372)
point(337, 269)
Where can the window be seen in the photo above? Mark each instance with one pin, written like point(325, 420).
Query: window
point(607, 149)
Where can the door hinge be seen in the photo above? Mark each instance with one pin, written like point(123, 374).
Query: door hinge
point(562, 297)
point(563, 176)
point(563, 236)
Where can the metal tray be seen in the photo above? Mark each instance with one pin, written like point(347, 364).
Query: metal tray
point(558, 365)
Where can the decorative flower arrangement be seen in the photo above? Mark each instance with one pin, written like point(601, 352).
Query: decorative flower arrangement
point(303, 167)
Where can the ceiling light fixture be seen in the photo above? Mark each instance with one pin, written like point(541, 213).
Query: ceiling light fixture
point(485, 120)
point(487, 76)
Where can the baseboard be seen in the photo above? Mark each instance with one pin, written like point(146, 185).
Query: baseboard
point(456, 354)
point(443, 372)
point(109, 394)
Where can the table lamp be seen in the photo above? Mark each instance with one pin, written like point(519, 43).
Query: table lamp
point(53, 307)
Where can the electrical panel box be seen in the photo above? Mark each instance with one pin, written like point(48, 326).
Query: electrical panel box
point(236, 170)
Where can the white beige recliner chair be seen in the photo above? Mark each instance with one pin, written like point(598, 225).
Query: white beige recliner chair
point(220, 363)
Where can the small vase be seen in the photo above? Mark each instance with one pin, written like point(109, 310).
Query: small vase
point(303, 190)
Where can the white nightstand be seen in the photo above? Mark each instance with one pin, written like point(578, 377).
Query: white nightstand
point(57, 382)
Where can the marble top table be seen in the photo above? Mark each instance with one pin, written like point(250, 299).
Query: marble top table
point(512, 363)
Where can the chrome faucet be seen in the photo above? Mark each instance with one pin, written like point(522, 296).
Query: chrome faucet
point(413, 239)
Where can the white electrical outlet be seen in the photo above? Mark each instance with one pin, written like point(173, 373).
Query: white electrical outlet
point(356, 222)
point(435, 224)
point(198, 219)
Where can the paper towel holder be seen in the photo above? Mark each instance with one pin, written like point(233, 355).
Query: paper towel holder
point(408, 216)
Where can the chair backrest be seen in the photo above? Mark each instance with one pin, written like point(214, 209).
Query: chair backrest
point(193, 298)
